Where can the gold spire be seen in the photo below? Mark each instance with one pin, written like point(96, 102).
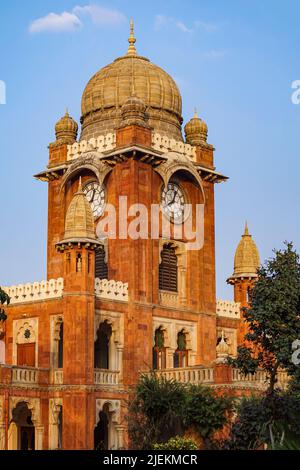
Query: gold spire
point(246, 232)
point(131, 48)
point(196, 114)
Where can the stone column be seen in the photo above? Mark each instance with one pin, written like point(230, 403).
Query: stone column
point(120, 436)
point(2, 436)
point(39, 433)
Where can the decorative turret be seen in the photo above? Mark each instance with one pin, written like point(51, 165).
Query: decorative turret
point(246, 259)
point(222, 349)
point(133, 112)
point(79, 222)
point(66, 129)
point(246, 263)
point(196, 131)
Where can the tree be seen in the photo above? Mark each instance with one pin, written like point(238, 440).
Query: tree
point(162, 409)
point(4, 299)
point(263, 422)
point(273, 318)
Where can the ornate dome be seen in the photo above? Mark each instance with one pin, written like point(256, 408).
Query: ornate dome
point(79, 224)
point(246, 260)
point(66, 129)
point(196, 131)
point(131, 75)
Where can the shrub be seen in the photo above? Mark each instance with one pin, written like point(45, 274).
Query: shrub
point(176, 443)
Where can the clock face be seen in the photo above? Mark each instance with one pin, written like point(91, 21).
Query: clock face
point(96, 196)
point(173, 202)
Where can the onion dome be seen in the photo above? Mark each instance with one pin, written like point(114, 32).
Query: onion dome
point(196, 131)
point(133, 111)
point(111, 86)
point(79, 223)
point(222, 349)
point(246, 259)
point(66, 129)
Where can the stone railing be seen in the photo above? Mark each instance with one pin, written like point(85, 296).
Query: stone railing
point(168, 298)
point(106, 377)
point(24, 375)
point(111, 290)
point(165, 144)
point(228, 308)
point(259, 379)
point(58, 376)
point(193, 374)
point(103, 143)
point(35, 291)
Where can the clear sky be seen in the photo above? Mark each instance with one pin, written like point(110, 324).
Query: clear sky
point(234, 60)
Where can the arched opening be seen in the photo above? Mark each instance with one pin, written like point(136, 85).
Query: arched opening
point(181, 353)
point(168, 272)
point(159, 350)
point(101, 432)
point(23, 427)
point(102, 346)
point(60, 352)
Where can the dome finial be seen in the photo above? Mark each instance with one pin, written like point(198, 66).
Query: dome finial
point(246, 232)
point(195, 113)
point(131, 49)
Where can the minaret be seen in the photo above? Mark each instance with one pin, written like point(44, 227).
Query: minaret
point(77, 249)
point(246, 263)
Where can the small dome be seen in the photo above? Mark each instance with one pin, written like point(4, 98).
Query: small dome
point(111, 86)
point(133, 111)
point(79, 224)
point(246, 260)
point(196, 131)
point(66, 129)
point(222, 348)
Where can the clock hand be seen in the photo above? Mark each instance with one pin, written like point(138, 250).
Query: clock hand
point(93, 197)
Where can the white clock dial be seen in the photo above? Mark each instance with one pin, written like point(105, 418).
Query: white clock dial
point(173, 202)
point(96, 196)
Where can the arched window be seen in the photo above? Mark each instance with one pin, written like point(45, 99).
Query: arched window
point(101, 269)
point(181, 353)
point(159, 350)
point(102, 348)
point(168, 269)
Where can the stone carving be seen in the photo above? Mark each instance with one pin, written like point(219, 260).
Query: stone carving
point(112, 290)
point(36, 291)
point(165, 144)
point(228, 308)
point(103, 143)
point(90, 161)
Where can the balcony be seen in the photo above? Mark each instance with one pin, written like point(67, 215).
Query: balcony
point(24, 375)
point(106, 377)
point(193, 375)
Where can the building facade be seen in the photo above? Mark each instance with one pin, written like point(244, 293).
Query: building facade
point(113, 307)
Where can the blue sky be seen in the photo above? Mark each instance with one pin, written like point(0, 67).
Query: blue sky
point(235, 61)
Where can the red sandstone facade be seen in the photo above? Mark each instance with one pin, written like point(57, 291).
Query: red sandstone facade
point(53, 394)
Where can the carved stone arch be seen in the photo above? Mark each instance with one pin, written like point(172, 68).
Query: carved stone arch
point(59, 319)
point(90, 161)
point(114, 408)
point(165, 328)
point(176, 162)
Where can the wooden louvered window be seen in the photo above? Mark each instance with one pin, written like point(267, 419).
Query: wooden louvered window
point(168, 269)
point(101, 269)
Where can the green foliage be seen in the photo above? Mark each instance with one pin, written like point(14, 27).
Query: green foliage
point(162, 409)
point(176, 443)
point(273, 318)
point(272, 420)
point(4, 299)
point(205, 411)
